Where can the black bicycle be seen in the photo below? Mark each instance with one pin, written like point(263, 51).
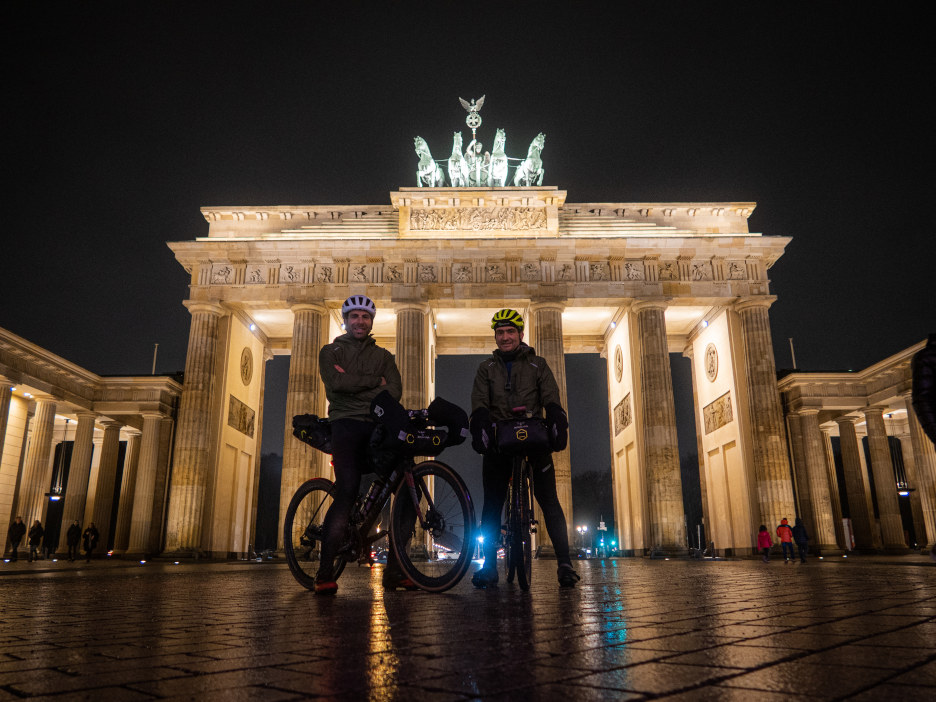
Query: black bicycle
point(431, 518)
point(527, 433)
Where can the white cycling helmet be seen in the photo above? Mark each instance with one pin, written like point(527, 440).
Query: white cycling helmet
point(359, 302)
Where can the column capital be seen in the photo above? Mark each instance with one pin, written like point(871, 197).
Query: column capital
point(744, 303)
point(806, 411)
point(213, 308)
point(153, 415)
point(304, 306)
point(422, 307)
point(545, 304)
point(267, 354)
point(86, 414)
point(657, 303)
point(875, 410)
point(847, 419)
point(111, 424)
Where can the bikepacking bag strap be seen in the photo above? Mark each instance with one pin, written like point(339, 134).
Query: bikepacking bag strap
point(522, 436)
point(313, 430)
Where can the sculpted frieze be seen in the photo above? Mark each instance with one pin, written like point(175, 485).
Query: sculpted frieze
point(718, 413)
point(462, 273)
point(393, 274)
point(669, 270)
point(622, 415)
point(222, 275)
point(478, 219)
point(530, 271)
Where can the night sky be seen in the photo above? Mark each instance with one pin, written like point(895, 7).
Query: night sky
point(124, 118)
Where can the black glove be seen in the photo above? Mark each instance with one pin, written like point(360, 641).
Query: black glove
point(558, 423)
point(482, 434)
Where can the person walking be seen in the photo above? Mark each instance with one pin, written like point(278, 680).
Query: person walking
point(801, 538)
point(785, 534)
point(73, 538)
point(90, 537)
point(15, 534)
point(36, 533)
point(764, 542)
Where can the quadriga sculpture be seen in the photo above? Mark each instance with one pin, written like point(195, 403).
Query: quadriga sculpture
point(428, 173)
point(498, 177)
point(457, 168)
point(530, 172)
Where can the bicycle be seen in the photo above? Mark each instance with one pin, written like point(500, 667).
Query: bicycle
point(519, 522)
point(431, 518)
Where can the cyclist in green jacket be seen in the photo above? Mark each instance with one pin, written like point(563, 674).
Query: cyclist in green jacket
point(514, 376)
point(354, 370)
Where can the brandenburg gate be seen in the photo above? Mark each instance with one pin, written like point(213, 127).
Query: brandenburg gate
point(632, 281)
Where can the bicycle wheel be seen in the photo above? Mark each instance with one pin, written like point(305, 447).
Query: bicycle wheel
point(303, 530)
point(522, 548)
point(435, 553)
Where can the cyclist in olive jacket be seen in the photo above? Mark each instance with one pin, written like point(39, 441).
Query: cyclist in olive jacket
point(514, 376)
point(354, 370)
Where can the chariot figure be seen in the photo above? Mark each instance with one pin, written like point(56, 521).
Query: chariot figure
point(498, 170)
point(530, 172)
point(428, 173)
point(479, 166)
point(457, 168)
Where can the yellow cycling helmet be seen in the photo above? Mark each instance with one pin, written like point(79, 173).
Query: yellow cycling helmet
point(505, 318)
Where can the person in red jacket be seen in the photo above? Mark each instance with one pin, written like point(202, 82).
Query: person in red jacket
point(764, 542)
point(785, 534)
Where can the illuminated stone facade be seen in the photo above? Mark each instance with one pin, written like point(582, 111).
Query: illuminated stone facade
point(69, 438)
point(634, 281)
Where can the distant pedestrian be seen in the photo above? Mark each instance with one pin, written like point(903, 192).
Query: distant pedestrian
point(764, 542)
point(73, 538)
point(36, 533)
point(15, 534)
point(90, 538)
point(801, 538)
point(785, 534)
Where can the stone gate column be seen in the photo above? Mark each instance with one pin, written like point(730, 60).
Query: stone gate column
point(144, 490)
point(771, 466)
point(193, 439)
point(106, 479)
point(801, 471)
point(924, 465)
point(916, 508)
point(834, 493)
point(658, 429)
point(884, 481)
point(79, 469)
point(37, 472)
point(125, 504)
point(412, 352)
point(547, 327)
point(304, 395)
point(856, 484)
point(823, 536)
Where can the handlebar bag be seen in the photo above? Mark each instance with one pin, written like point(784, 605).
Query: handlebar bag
point(445, 413)
point(522, 436)
point(313, 430)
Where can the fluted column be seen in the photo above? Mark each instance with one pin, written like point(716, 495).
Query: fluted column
point(304, 395)
point(412, 353)
point(37, 471)
point(193, 439)
point(924, 467)
point(126, 505)
point(885, 483)
point(771, 466)
point(548, 341)
point(79, 469)
point(856, 484)
point(6, 395)
point(916, 508)
point(823, 535)
point(801, 471)
point(144, 489)
point(106, 479)
point(658, 429)
point(834, 493)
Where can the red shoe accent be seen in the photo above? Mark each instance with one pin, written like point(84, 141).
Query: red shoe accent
point(326, 588)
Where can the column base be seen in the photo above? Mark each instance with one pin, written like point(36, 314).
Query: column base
point(830, 550)
point(546, 552)
point(660, 552)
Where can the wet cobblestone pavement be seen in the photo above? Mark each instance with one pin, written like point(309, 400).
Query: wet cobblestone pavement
point(633, 629)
